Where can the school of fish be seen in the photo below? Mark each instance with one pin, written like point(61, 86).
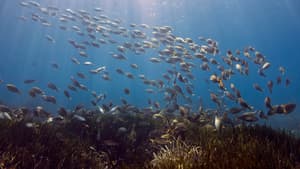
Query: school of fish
point(183, 57)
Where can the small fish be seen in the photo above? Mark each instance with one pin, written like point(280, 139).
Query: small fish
point(262, 115)
point(74, 60)
point(129, 75)
point(235, 110)
point(106, 77)
point(270, 85)
point(32, 93)
point(79, 118)
point(81, 75)
point(98, 70)
point(278, 80)
point(257, 87)
point(134, 66)
point(248, 116)
point(275, 109)
point(83, 54)
point(62, 111)
point(214, 78)
point(119, 57)
point(50, 99)
point(268, 102)
point(282, 109)
point(265, 66)
point(50, 38)
point(239, 67)
point(243, 103)
point(281, 70)
point(36, 90)
point(72, 88)
point(67, 94)
point(126, 91)
point(52, 86)
point(12, 88)
point(120, 71)
point(88, 63)
point(238, 93)
point(218, 122)
point(4, 108)
point(29, 81)
point(184, 111)
point(55, 65)
point(215, 99)
point(287, 82)
point(154, 60)
point(288, 108)
point(230, 96)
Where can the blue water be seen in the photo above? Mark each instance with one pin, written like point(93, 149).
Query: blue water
point(273, 28)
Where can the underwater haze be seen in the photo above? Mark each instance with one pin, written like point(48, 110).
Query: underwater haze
point(59, 46)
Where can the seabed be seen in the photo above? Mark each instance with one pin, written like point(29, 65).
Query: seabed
point(135, 139)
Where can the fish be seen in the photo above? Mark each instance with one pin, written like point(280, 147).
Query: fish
point(257, 87)
point(62, 111)
point(215, 99)
point(238, 67)
point(98, 70)
point(32, 93)
point(262, 115)
point(12, 88)
point(184, 111)
point(55, 65)
point(29, 81)
point(282, 109)
point(78, 117)
point(129, 75)
point(119, 57)
point(4, 108)
point(34, 3)
point(270, 85)
point(278, 80)
point(37, 90)
point(230, 95)
point(134, 66)
point(120, 71)
point(106, 77)
point(50, 99)
point(218, 123)
point(126, 91)
point(81, 75)
point(154, 60)
point(268, 102)
point(88, 63)
point(214, 78)
point(83, 54)
point(235, 110)
point(52, 86)
point(50, 38)
point(265, 66)
point(72, 88)
point(67, 94)
point(288, 108)
point(243, 103)
point(74, 60)
point(5, 115)
point(281, 70)
point(248, 116)
point(287, 82)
